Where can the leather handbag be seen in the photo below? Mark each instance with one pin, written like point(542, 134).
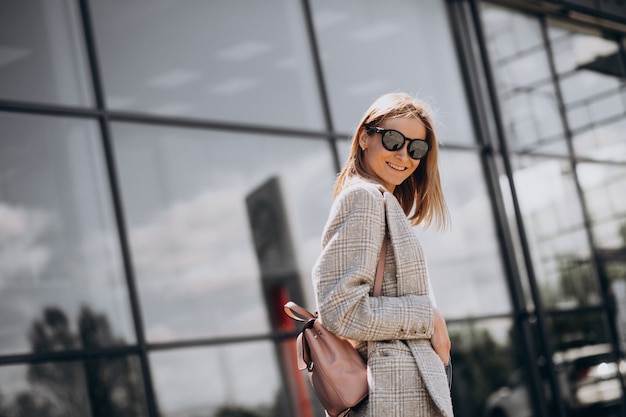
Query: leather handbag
point(336, 370)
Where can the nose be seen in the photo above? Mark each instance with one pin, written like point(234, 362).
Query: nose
point(403, 152)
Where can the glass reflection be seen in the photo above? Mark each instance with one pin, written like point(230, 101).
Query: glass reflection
point(227, 380)
point(191, 235)
point(464, 274)
point(593, 92)
point(603, 188)
point(247, 62)
point(570, 330)
point(555, 231)
point(522, 75)
point(42, 56)
point(108, 387)
point(371, 48)
point(486, 364)
point(59, 257)
point(585, 363)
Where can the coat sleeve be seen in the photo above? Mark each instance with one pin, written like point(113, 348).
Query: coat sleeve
point(345, 271)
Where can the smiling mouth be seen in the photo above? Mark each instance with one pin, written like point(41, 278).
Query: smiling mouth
point(396, 167)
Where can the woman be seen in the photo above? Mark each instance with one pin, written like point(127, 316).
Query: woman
point(389, 183)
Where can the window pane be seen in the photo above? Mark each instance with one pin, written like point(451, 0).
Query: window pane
point(42, 56)
point(238, 61)
point(60, 252)
point(603, 187)
point(586, 363)
point(594, 95)
point(522, 75)
point(207, 381)
point(192, 238)
point(554, 227)
point(108, 387)
point(487, 375)
point(465, 274)
point(371, 48)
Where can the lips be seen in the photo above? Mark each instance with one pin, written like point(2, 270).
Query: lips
point(397, 167)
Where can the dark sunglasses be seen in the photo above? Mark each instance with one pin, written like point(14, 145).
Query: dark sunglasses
point(394, 140)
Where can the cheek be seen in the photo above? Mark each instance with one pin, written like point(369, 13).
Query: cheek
point(417, 164)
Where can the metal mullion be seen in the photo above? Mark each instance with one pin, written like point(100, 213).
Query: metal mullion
point(118, 208)
point(149, 119)
point(321, 83)
point(197, 123)
point(596, 263)
point(479, 107)
point(539, 309)
point(223, 340)
point(48, 109)
point(69, 355)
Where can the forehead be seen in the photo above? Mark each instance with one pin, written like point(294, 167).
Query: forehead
point(411, 127)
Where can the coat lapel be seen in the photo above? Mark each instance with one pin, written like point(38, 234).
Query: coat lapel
point(410, 265)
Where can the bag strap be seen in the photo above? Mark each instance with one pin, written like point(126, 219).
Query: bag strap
point(298, 313)
point(378, 282)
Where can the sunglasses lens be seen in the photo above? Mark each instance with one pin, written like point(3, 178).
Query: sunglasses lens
point(418, 149)
point(392, 140)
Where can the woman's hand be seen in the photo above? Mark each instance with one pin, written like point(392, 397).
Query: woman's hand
point(440, 340)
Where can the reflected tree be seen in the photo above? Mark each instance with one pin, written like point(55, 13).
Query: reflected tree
point(56, 386)
point(577, 281)
point(27, 404)
point(102, 387)
point(615, 259)
point(52, 332)
point(112, 384)
point(3, 406)
point(480, 367)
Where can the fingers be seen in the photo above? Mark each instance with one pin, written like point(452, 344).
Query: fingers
point(440, 339)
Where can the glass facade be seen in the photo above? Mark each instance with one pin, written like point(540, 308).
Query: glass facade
point(250, 60)
point(560, 89)
point(166, 170)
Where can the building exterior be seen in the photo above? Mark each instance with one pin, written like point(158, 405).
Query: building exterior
point(166, 170)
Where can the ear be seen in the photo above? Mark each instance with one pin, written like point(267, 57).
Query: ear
point(363, 140)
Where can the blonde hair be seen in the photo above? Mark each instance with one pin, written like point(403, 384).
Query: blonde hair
point(420, 195)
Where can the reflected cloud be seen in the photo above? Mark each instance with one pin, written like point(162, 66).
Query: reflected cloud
point(11, 54)
point(197, 241)
point(174, 78)
point(244, 51)
point(192, 259)
point(173, 108)
point(234, 86)
point(367, 88)
point(325, 19)
point(378, 32)
point(22, 253)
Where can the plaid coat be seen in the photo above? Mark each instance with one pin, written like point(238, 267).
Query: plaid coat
point(393, 331)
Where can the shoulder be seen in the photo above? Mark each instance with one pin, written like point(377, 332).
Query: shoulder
point(361, 193)
point(360, 207)
point(360, 202)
